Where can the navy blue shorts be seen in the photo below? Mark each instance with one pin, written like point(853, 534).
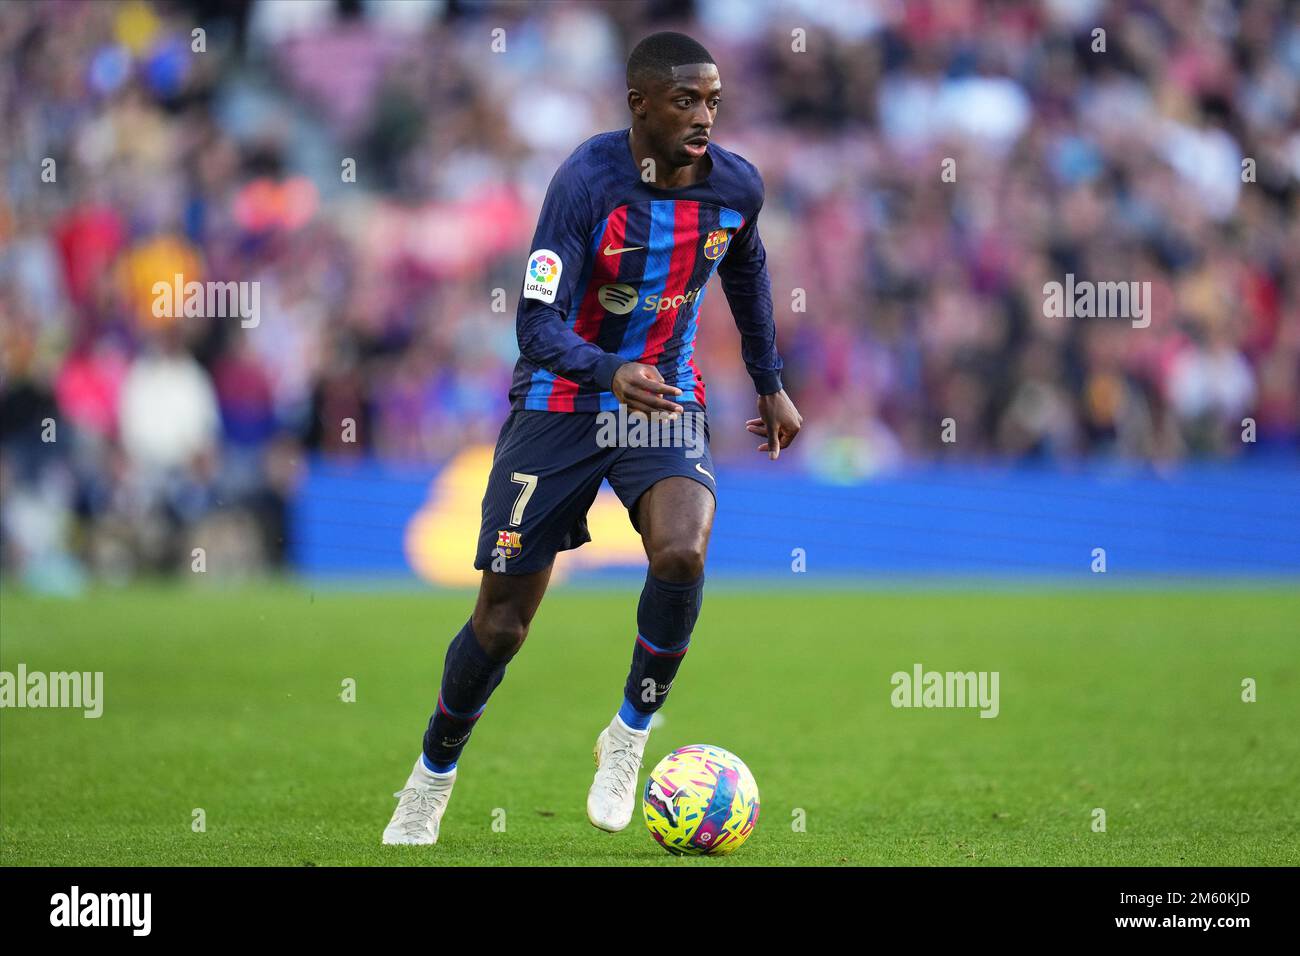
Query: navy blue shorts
point(548, 467)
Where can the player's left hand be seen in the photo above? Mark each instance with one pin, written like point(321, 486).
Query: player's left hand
point(779, 419)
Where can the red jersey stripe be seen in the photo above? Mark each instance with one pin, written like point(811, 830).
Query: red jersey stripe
point(681, 266)
point(604, 269)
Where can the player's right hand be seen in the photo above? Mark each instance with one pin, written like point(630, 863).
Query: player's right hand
point(640, 388)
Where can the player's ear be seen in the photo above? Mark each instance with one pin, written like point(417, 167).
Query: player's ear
point(636, 102)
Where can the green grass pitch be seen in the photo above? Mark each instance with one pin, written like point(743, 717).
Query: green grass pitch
point(229, 701)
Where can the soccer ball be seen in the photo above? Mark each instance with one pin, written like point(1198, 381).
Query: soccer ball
point(700, 800)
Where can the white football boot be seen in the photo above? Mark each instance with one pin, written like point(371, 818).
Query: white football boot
point(613, 793)
point(420, 806)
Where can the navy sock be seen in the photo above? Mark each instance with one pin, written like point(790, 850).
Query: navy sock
point(469, 677)
point(665, 617)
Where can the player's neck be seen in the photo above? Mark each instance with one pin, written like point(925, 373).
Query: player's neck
point(666, 176)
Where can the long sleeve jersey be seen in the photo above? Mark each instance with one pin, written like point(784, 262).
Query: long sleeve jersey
point(618, 271)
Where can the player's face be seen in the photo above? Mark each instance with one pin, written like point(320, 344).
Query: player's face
point(680, 113)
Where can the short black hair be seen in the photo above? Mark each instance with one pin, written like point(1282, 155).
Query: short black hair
point(655, 57)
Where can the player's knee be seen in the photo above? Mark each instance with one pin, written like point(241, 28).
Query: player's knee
point(680, 563)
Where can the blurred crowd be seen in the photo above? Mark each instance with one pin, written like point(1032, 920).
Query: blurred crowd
point(376, 167)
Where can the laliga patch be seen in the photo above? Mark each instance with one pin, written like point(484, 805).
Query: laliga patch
point(543, 276)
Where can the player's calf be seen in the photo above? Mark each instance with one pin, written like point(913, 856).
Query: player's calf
point(666, 615)
point(665, 618)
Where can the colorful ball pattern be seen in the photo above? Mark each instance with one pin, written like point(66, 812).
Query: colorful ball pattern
point(542, 268)
point(700, 800)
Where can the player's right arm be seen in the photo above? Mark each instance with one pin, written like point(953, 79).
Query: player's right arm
point(561, 245)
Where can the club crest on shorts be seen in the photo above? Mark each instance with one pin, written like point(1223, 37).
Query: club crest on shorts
point(509, 543)
point(716, 244)
point(543, 275)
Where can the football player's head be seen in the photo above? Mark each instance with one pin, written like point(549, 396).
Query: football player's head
point(673, 91)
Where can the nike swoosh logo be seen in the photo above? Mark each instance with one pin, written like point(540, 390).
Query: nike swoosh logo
point(611, 251)
point(700, 468)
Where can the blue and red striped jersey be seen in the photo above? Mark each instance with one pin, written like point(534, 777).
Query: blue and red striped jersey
point(618, 271)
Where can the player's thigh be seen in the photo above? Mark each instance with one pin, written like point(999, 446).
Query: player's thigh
point(675, 514)
point(669, 490)
point(680, 450)
point(546, 471)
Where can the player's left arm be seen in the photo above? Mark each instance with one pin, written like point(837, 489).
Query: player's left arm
point(743, 272)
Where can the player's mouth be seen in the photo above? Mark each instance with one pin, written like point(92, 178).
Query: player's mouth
point(696, 146)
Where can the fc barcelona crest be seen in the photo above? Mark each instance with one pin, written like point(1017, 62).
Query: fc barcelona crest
point(716, 244)
point(508, 544)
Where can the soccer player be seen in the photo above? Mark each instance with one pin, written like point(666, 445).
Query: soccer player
point(634, 224)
